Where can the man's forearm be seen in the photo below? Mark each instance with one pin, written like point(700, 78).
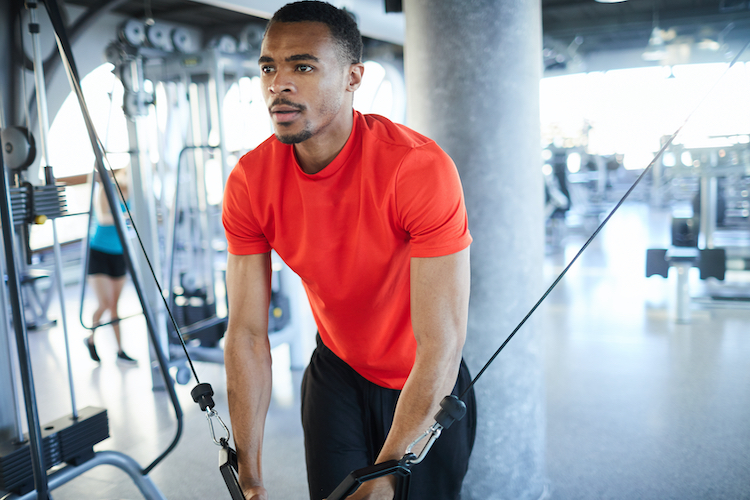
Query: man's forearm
point(248, 367)
point(439, 310)
point(432, 378)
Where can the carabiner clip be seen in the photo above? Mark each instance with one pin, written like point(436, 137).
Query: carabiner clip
point(431, 434)
point(210, 412)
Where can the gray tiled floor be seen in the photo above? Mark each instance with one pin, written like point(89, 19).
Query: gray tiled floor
point(637, 405)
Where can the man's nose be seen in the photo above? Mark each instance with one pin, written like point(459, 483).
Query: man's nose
point(281, 82)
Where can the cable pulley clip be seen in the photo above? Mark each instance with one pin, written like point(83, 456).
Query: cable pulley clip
point(203, 395)
point(451, 410)
point(223, 442)
point(431, 434)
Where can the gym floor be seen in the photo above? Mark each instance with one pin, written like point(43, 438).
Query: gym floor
point(638, 406)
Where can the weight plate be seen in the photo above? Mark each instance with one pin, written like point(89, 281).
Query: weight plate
point(251, 38)
point(18, 148)
point(225, 43)
point(159, 37)
point(183, 40)
point(133, 32)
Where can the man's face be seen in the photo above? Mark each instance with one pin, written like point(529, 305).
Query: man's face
point(304, 82)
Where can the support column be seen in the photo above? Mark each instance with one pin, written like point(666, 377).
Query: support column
point(144, 207)
point(11, 427)
point(10, 418)
point(472, 73)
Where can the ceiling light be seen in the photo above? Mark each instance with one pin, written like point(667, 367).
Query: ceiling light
point(611, 1)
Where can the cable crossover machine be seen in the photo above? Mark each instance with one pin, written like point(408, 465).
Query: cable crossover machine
point(88, 422)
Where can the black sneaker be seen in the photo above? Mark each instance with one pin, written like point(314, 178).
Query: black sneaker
point(124, 358)
point(92, 349)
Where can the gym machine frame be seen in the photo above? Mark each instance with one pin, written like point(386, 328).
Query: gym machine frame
point(42, 482)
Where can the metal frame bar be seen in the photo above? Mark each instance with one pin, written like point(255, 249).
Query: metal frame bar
point(22, 341)
point(144, 483)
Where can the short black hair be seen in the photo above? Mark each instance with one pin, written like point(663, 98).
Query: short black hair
point(341, 24)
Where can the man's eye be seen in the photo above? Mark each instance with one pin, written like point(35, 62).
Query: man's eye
point(266, 69)
point(304, 68)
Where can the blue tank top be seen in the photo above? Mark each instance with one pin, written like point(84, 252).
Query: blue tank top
point(106, 240)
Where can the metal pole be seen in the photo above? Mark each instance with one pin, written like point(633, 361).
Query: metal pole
point(656, 182)
point(116, 459)
point(683, 291)
point(85, 250)
point(708, 199)
point(41, 104)
point(217, 87)
point(204, 236)
point(9, 397)
point(11, 425)
point(2, 113)
point(200, 113)
point(144, 208)
point(22, 341)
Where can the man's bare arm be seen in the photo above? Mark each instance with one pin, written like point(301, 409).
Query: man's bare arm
point(439, 313)
point(247, 355)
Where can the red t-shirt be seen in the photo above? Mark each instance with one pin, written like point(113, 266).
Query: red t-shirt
point(349, 232)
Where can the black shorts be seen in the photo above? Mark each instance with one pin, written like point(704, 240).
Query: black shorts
point(112, 265)
point(346, 419)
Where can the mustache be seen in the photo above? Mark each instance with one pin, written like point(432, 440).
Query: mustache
point(285, 102)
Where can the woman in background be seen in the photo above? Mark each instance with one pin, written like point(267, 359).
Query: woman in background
point(107, 268)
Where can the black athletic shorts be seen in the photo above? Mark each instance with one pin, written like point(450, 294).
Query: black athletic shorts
point(346, 419)
point(112, 265)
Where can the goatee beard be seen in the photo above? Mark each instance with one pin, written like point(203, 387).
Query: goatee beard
point(294, 138)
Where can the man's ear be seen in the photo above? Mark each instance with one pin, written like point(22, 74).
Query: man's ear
point(356, 72)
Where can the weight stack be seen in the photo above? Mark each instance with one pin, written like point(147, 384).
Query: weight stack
point(63, 440)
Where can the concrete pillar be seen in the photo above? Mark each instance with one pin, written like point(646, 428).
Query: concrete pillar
point(472, 73)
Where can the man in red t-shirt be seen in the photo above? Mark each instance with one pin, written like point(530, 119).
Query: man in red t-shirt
point(371, 215)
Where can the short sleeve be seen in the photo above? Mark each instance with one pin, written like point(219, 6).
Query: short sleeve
point(244, 234)
point(430, 203)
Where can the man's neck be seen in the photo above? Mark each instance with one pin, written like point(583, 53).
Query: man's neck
point(316, 153)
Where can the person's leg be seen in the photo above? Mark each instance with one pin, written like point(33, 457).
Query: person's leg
point(116, 285)
point(101, 290)
point(99, 283)
point(97, 272)
point(334, 423)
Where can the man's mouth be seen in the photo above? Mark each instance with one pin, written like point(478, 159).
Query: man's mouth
point(283, 113)
point(285, 116)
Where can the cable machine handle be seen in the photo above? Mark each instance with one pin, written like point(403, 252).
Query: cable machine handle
point(228, 469)
point(399, 468)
